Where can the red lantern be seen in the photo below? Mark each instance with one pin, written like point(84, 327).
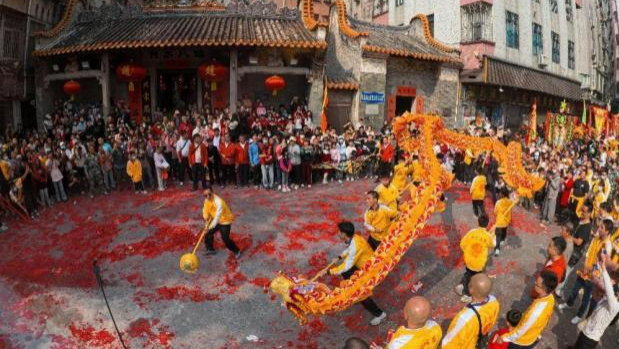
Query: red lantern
point(72, 88)
point(130, 73)
point(275, 83)
point(213, 72)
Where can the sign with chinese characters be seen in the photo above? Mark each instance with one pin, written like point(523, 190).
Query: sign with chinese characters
point(372, 97)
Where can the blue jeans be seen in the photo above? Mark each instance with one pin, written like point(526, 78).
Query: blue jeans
point(587, 286)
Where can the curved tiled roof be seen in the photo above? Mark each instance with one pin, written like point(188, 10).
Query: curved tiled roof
point(427, 33)
point(62, 24)
point(307, 11)
point(342, 20)
point(342, 83)
point(183, 30)
point(397, 41)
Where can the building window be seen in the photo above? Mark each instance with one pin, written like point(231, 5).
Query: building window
point(571, 55)
point(569, 12)
point(554, 6)
point(12, 43)
point(556, 48)
point(399, 2)
point(538, 42)
point(431, 23)
point(476, 22)
point(512, 30)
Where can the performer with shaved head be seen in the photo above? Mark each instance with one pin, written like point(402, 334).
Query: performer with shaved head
point(476, 319)
point(420, 332)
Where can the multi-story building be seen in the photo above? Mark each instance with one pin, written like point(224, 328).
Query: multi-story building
point(19, 19)
point(614, 31)
point(517, 51)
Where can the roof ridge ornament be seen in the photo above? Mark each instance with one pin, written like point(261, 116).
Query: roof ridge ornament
point(261, 8)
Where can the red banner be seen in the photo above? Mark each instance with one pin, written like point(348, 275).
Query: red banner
point(135, 102)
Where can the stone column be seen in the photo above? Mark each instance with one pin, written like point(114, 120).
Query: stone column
point(373, 79)
point(105, 85)
point(233, 93)
point(315, 97)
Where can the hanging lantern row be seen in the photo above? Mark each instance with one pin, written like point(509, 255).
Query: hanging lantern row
point(275, 83)
point(131, 73)
point(213, 72)
point(72, 88)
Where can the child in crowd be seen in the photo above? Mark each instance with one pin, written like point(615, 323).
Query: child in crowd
point(286, 166)
point(512, 318)
point(134, 170)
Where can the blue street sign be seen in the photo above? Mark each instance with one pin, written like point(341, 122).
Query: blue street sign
point(372, 97)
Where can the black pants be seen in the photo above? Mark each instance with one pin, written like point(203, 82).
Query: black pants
point(138, 186)
point(198, 174)
point(584, 342)
point(228, 175)
point(466, 278)
point(225, 236)
point(213, 172)
point(306, 170)
point(255, 173)
point(184, 167)
point(243, 174)
point(501, 234)
point(296, 175)
point(367, 303)
point(373, 243)
point(384, 168)
point(478, 208)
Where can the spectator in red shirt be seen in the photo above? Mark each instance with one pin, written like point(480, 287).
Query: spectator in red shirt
point(386, 154)
point(242, 161)
point(227, 152)
point(556, 261)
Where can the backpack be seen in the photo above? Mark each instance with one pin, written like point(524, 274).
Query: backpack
point(482, 339)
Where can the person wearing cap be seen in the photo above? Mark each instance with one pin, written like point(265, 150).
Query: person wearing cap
point(198, 160)
point(352, 259)
point(218, 218)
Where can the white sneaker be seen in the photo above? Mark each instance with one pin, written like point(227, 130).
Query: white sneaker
point(181, 184)
point(309, 185)
point(459, 289)
point(563, 306)
point(161, 189)
point(279, 187)
point(576, 320)
point(379, 319)
point(340, 181)
point(497, 253)
point(466, 299)
point(325, 181)
point(302, 185)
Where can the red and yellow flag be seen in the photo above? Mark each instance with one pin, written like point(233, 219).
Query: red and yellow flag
point(325, 103)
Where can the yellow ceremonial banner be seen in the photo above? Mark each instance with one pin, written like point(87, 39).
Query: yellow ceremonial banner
point(599, 118)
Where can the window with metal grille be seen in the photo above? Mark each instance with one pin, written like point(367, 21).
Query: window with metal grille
point(538, 42)
point(476, 22)
point(554, 6)
point(399, 2)
point(556, 48)
point(571, 55)
point(512, 30)
point(569, 12)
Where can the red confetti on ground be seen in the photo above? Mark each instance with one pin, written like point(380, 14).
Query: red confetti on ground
point(185, 293)
point(88, 335)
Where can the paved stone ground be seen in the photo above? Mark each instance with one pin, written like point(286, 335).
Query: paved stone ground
point(50, 300)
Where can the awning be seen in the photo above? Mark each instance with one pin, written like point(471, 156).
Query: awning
point(166, 29)
point(502, 73)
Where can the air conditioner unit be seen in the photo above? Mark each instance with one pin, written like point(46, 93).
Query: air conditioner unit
point(542, 60)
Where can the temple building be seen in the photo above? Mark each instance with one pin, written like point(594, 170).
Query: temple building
point(209, 55)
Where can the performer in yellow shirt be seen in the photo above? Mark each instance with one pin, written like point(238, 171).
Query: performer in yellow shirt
point(388, 193)
point(418, 171)
point(401, 171)
point(503, 214)
point(353, 258)
point(378, 219)
point(475, 246)
point(464, 328)
point(535, 319)
point(134, 170)
point(219, 218)
point(419, 332)
point(478, 193)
